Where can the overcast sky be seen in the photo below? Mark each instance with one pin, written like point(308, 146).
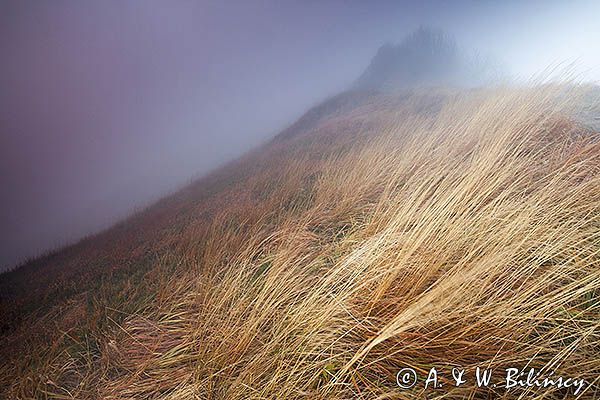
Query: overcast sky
point(106, 106)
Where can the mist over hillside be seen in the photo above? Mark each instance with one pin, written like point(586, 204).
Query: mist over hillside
point(107, 106)
point(427, 57)
point(357, 210)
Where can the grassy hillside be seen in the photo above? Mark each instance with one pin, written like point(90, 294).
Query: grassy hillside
point(380, 231)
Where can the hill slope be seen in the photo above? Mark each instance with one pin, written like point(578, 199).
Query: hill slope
point(379, 231)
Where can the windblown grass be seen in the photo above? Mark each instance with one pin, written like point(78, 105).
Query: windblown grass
point(455, 229)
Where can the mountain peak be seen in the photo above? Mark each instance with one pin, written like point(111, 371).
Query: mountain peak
point(426, 57)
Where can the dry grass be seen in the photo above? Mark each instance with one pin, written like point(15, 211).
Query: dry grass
point(387, 236)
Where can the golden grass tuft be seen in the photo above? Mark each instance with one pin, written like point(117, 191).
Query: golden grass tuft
point(385, 237)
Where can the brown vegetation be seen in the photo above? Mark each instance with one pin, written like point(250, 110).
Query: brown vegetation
point(445, 229)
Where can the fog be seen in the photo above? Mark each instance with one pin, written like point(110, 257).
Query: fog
point(107, 106)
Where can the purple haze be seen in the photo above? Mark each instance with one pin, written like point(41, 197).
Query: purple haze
point(106, 106)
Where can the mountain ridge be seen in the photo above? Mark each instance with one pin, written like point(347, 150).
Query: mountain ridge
point(256, 249)
point(390, 221)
